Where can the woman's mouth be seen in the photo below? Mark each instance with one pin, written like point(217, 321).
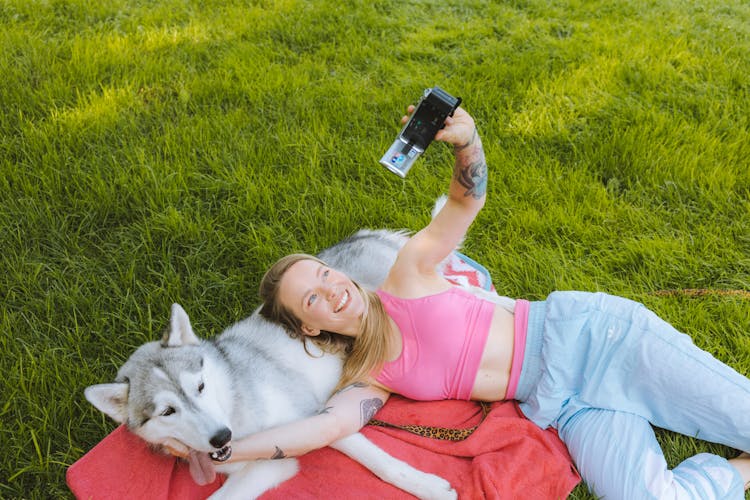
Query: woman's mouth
point(342, 302)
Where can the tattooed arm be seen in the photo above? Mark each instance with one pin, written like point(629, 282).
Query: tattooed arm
point(345, 413)
point(466, 196)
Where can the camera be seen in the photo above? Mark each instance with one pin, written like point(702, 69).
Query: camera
point(429, 116)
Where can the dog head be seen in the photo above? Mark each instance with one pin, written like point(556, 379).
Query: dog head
point(174, 389)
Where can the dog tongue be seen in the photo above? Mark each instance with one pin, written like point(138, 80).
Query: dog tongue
point(201, 467)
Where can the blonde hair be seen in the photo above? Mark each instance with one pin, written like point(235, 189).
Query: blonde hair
point(363, 354)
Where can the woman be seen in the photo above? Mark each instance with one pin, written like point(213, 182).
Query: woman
point(600, 369)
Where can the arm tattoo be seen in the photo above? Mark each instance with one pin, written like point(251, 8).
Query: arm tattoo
point(368, 409)
point(473, 178)
point(278, 454)
point(327, 409)
point(469, 143)
point(355, 385)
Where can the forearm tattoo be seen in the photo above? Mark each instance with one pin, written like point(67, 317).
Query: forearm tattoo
point(473, 178)
point(279, 454)
point(469, 143)
point(368, 409)
point(471, 168)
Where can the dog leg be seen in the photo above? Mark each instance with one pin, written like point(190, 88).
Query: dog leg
point(255, 478)
point(394, 471)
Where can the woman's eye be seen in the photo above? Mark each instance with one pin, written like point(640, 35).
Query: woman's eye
point(312, 299)
point(326, 273)
point(168, 411)
point(200, 387)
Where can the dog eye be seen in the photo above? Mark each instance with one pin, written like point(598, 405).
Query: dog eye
point(168, 411)
point(200, 387)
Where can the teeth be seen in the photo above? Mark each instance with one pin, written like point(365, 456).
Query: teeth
point(221, 455)
point(342, 302)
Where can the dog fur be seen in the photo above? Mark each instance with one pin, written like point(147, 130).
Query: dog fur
point(251, 377)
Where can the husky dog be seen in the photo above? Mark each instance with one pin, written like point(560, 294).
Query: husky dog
point(251, 377)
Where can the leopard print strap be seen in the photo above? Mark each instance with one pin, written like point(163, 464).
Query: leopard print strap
point(442, 433)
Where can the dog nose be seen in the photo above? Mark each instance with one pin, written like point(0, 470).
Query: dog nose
point(222, 437)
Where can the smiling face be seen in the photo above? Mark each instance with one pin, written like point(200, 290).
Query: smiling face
point(322, 298)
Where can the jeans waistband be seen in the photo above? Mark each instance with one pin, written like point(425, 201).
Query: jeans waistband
point(531, 370)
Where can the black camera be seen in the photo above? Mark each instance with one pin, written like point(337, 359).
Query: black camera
point(429, 116)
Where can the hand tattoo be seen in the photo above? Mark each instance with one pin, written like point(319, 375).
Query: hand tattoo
point(368, 408)
point(474, 179)
point(278, 454)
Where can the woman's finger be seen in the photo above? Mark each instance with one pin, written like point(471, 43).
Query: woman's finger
point(176, 448)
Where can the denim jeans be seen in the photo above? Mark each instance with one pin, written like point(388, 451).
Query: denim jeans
point(602, 370)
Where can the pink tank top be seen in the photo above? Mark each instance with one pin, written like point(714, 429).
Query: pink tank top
point(443, 338)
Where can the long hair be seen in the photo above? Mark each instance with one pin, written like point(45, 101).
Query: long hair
point(372, 344)
point(363, 354)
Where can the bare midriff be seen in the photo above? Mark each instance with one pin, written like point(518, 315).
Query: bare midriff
point(492, 378)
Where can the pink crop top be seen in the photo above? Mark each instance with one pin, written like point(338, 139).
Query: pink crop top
point(443, 338)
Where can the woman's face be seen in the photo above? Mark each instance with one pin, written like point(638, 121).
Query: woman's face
point(322, 298)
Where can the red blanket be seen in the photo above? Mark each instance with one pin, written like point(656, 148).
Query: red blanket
point(507, 457)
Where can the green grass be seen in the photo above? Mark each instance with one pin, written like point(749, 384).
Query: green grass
point(158, 152)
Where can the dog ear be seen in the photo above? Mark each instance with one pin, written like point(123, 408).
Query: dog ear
point(110, 399)
point(180, 332)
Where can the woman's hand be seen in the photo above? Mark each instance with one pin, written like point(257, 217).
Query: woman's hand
point(459, 129)
point(176, 448)
point(202, 468)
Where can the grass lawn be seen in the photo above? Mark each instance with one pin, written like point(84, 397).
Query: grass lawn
point(159, 152)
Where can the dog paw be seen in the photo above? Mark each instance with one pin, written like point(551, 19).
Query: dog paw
point(436, 488)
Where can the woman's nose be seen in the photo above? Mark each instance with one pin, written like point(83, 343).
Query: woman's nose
point(330, 292)
point(326, 290)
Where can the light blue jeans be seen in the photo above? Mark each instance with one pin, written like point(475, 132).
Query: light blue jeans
point(603, 369)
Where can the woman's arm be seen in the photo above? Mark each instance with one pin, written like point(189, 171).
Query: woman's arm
point(466, 197)
point(345, 413)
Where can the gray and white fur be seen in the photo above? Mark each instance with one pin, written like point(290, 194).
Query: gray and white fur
point(251, 377)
